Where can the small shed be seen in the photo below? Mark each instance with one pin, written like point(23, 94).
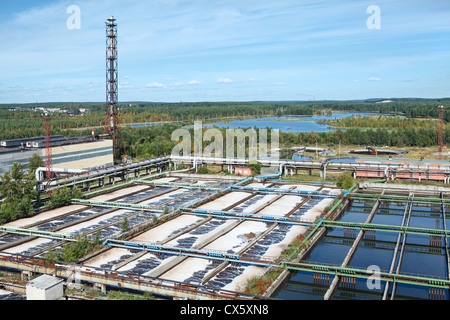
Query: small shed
point(45, 287)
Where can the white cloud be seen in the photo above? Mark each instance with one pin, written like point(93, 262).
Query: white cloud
point(155, 85)
point(194, 82)
point(224, 80)
point(125, 85)
point(374, 79)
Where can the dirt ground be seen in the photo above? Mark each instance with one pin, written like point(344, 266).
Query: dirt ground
point(413, 152)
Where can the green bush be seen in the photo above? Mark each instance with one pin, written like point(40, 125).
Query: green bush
point(125, 226)
point(203, 170)
point(255, 167)
point(63, 197)
point(345, 181)
point(74, 251)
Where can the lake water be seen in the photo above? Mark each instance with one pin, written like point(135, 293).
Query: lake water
point(284, 124)
point(306, 124)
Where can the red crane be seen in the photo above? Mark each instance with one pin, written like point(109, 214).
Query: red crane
point(48, 146)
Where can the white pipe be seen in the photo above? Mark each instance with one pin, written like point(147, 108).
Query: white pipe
point(195, 164)
point(365, 164)
point(96, 173)
point(57, 170)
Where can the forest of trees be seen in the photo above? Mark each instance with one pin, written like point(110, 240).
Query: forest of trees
point(149, 142)
point(405, 137)
point(381, 121)
point(137, 112)
point(146, 142)
point(386, 130)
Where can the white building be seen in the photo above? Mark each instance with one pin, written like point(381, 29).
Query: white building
point(45, 288)
point(65, 155)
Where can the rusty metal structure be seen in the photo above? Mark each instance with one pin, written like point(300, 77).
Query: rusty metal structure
point(112, 122)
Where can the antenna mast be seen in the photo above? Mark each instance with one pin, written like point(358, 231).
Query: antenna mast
point(112, 122)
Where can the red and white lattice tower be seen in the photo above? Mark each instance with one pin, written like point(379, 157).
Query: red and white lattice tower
point(48, 147)
point(112, 122)
point(440, 131)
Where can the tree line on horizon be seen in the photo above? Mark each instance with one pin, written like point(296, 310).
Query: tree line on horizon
point(145, 142)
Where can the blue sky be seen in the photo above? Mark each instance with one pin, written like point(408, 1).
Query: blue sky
point(226, 50)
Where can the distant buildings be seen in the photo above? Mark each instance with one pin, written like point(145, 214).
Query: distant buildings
point(243, 171)
point(67, 153)
point(385, 101)
point(47, 111)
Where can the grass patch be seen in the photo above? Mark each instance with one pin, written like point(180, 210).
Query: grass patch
point(258, 285)
point(115, 295)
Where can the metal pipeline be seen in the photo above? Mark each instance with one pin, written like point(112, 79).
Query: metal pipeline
point(101, 172)
point(370, 164)
point(197, 160)
point(41, 170)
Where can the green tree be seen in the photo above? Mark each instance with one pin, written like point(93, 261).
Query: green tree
point(345, 181)
point(17, 189)
point(125, 225)
point(255, 167)
point(63, 197)
point(74, 251)
point(35, 162)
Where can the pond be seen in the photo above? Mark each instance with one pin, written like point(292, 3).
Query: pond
point(289, 123)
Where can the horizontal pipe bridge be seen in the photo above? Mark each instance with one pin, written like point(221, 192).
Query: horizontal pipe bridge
point(121, 205)
point(399, 198)
point(413, 279)
point(179, 185)
point(38, 233)
point(246, 216)
point(298, 266)
point(383, 227)
point(190, 252)
point(308, 193)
